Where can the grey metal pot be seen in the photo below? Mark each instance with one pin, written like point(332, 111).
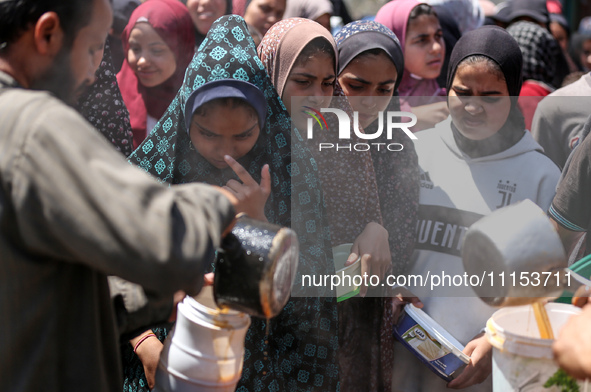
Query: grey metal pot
point(519, 253)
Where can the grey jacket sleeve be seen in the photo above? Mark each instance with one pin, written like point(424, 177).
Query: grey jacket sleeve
point(77, 200)
point(135, 309)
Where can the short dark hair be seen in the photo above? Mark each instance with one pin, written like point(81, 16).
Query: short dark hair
point(16, 16)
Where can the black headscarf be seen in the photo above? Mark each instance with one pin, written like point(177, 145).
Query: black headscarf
point(498, 45)
point(360, 36)
point(535, 9)
point(451, 35)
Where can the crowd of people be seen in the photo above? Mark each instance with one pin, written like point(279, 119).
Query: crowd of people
point(133, 133)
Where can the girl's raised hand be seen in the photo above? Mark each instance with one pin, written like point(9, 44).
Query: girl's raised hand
point(251, 195)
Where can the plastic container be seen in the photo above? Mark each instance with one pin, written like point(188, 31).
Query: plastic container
point(431, 343)
point(347, 288)
point(581, 267)
point(522, 361)
point(204, 351)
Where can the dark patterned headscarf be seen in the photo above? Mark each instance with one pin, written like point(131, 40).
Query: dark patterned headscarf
point(397, 174)
point(303, 335)
point(541, 53)
point(359, 36)
point(103, 107)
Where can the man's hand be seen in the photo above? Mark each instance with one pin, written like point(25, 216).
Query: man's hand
point(572, 349)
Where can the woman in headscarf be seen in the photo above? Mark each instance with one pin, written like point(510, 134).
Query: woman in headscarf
point(204, 13)
point(159, 42)
point(371, 66)
point(101, 104)
point(478, 160)
point(299, 351)
point(544, 65)
point(300, 57)
point(421, 38)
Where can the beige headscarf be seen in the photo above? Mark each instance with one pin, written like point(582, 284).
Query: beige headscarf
point(277, 43)
point(348, 180)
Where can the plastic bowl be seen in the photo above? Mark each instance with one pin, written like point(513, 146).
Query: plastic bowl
point(430, 343)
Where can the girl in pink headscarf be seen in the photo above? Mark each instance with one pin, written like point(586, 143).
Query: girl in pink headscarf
point(421, 39)
point(159, 42)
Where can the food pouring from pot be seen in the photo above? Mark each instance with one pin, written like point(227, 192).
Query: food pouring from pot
point(520, 256)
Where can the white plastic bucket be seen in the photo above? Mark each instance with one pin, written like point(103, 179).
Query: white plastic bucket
point(522, 361)
point(204, 351)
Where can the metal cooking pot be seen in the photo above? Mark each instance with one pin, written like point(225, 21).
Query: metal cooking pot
point(519, 253)
point(255, 268)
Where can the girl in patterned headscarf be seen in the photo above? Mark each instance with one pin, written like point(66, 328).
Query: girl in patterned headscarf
point(300, 57)
point(371, 66)
point(159, 42)
point(299, 352)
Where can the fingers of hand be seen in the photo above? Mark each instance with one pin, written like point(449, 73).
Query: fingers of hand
point(240, 171)
point(266, 180)
point(234, 186)
point(474, 373)
point(416, 302)
point(365, 271)
point(232, 191)
point(581, 296)
point(351, 259)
